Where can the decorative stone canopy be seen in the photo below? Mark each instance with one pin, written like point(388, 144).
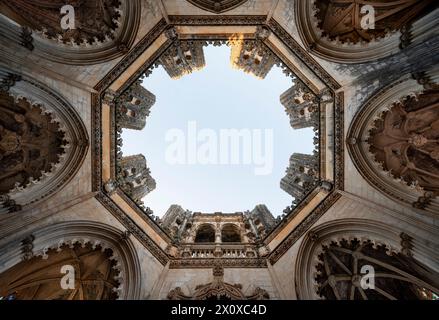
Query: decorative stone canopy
point(31, 143)
point(405, 141)
point(341, 20)
point(333, 30)
point(393, 142)
point(104, 29)
point(96, 275)
point(95, 20)
point(44, 133)
point(396, 276)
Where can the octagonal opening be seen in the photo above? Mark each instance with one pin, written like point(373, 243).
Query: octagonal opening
point(190, 115)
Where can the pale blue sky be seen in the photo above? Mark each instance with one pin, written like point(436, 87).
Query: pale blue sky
point(217, 97)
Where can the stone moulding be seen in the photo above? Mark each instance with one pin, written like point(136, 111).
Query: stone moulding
point(303, 227)
point(288, 41)
point(226, 263)
point(216, 6)
point(133, 228)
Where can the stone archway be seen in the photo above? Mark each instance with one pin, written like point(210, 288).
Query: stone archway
point(335, 256)
point(82, 238)
point(393, 143)
point(31, 143)
point(104, 29)
point(333, 29)
point(94, 275)
point(43, 141)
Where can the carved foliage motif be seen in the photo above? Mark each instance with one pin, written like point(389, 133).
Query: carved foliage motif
point(39, 279)
point(217, 6)
point(342, 19)
point(95, 20)
point(405, 140)
point(31, 143)
point(396, 276)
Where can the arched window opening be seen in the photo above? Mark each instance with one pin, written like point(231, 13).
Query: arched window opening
point(230, 233)
point(205, 233)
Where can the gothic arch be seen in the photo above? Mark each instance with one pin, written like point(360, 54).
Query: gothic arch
point(395, 112)
point(331, 29)
point(50, 239)
point(75, 142)
point(396, 257)
point(110, 29)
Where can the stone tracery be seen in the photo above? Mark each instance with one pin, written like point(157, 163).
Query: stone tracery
point(405, 140)
point(96, 275)
point(333, 30)
point(31, 143)
point(341, 20)
point(96, 20)
point(395, 276)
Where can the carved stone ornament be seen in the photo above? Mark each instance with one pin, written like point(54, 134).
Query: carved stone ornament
point(95, 20)
point(343, 265)
point(405, 141)
point(217, 6)
point(31, 143)
point(95, 275)
point(218, 290)
point(341, 19)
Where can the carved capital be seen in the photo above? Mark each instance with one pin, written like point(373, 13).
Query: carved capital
point(110, 187)
point(326, 185)
point(109, 98)
point(171, 34)
point(125, 235)
point(262, 33)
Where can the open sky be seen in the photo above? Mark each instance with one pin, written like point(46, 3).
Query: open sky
point(217, 98)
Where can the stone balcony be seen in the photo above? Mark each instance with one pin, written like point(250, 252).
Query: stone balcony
point(228, 251)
